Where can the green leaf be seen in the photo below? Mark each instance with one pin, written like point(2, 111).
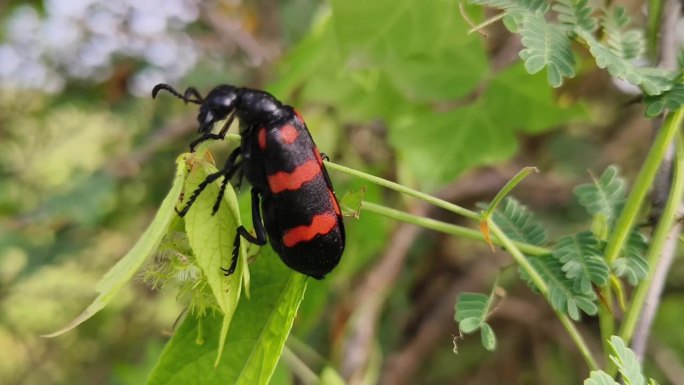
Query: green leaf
point(546, 45)
point(518, 223)
point(562, 295)
point(599, 377)
point(604, 196)
point(437, 146)
point(211, 239)
point(516, 99)
point(627, 362)
point(146, 245)
point(671, 100)
point(471, 314)
point(523, 6)
point(488, 337)
point(653, 81)
point(259, 329)
point(575, 14)
point(627, 44)
point(351, 202)
point(582, 261)
point(632, 264)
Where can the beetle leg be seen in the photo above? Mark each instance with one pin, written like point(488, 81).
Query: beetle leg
point(259, 239)
point(208, 135)
point(230, 167)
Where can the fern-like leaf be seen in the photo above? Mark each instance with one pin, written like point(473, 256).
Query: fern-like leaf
point(575, 14)
point(632, 264)
point(653, 81)
point(546, 45)
point(627, 44)
point(671, 100)
point(626, 361)
point(561, 294)
point(518, 223)
point(604, 196)
point(471, 314)
point(516, 6)
point(582, 261)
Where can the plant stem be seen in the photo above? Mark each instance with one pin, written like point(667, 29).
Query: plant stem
point(507, 243)
point(446, 228)
point(642, 184)
point(544, 290)
point(510, 185)
point(299, 368)
point(405, 190)
point(667, 220)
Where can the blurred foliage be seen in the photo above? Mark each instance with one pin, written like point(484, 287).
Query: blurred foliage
point(395, 88)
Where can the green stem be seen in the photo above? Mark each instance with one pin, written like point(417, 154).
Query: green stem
point(544, 290)
point(666, 222)
point(642, 185)
point(502, 239)
point(510, 185)
point(405, 190)
point(299, 368)
point(447, 228)
point(628, 216)
point(653, 28)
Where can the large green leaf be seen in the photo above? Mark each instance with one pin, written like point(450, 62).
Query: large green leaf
point(546, 45)
point(147, 244)
point(259, 329)
point(439, 146)
point(516, 99)
point(582, 261)
point(211, 238)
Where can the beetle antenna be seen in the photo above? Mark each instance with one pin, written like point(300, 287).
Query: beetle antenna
point(192, 91)
point(166, 87)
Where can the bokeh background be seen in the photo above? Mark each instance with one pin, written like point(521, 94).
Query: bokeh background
point(395, 88)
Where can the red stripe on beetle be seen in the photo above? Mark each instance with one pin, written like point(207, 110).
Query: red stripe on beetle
point(336, 206)
point(288, 134)
point(262, 138)
point(320, 225)
point(299, 116)
point(305, 172)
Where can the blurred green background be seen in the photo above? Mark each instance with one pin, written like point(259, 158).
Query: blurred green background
point(395, 88)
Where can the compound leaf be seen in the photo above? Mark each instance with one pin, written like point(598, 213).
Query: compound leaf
point(627, 362)
point(524, 6)
point(627, 44)
point(604, 196)
point(575, 13)
point(546, 45)
point(561, 294)
point(582, 261)
point(653, 81)
point(671, 100)
point(632, 264)
point(518, 223)
point(471, 314)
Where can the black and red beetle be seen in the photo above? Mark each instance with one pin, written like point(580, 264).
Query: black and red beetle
point(280, 160)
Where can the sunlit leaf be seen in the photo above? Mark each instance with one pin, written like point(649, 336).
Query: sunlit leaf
point(147, 244)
